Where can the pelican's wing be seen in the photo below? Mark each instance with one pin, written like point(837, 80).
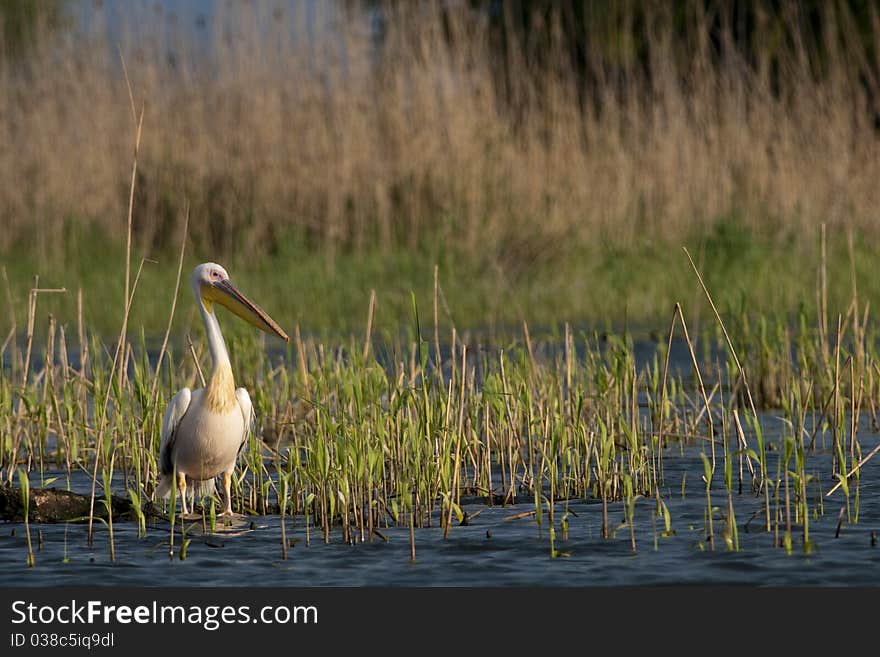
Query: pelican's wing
point(177, 408)
point(247, 412)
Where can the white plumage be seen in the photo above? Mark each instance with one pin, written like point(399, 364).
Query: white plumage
point(204, 430)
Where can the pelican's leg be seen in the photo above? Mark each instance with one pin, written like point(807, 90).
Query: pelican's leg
point(181, 487)
point(227, 488)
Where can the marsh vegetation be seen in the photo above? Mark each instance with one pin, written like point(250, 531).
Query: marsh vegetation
point(476, 240)
point(360, 436)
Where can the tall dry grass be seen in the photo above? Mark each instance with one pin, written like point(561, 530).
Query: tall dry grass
point(343, 139)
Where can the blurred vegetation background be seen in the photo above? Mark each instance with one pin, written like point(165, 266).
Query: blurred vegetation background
point(551, 157)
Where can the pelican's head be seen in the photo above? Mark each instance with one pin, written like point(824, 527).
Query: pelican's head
point(211, 285)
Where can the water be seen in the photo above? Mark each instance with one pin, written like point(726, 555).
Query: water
point(192, 20)
point(492, 550)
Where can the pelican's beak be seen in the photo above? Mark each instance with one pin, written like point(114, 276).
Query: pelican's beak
point(226, 294)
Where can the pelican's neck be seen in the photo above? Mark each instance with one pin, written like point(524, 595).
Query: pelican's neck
point(219, 355)
point(220, 391)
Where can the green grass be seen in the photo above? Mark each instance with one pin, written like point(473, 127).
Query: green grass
point(600, 287)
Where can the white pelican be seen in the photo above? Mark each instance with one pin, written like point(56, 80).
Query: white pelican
point(203, 430)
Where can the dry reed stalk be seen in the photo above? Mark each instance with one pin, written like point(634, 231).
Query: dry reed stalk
point(439, 359)
point(855, 468)
point(743, 445)
point(699, 376)
point(35, 291)
point(835, 429)
point(421, 137)
point(741, 370)
point(154, 391)
point(10, 305)
point(120, 358)
point(129, 293)
point(81, 334)
point(371, 312)
point(195, 357)
point(823, 294)
point(301, 357)
point(510, 495)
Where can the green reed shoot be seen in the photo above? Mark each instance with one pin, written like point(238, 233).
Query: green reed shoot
point(24, 483)
point(707, 478)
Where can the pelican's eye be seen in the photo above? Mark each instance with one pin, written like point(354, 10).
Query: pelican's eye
point(216, 275)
